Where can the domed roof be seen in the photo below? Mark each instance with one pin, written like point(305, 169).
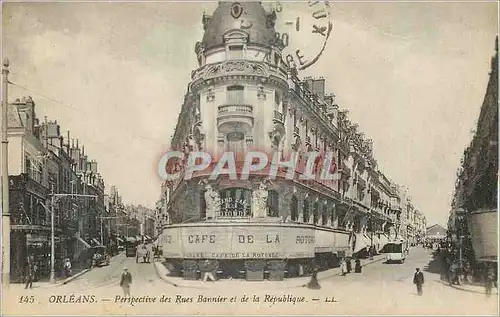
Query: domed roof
point(249, 17)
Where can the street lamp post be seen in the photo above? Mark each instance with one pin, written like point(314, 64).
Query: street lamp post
point(5, 180)
point(54, 198)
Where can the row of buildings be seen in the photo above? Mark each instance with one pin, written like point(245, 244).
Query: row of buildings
point(238, 102)
point(48, 171)
point(472, 224)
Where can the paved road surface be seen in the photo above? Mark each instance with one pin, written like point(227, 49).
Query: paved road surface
point(379, 289)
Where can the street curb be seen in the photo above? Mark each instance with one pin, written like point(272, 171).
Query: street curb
point(71, 278)
point(161, 276)
point(339, 273)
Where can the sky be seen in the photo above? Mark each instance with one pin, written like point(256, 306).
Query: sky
point(412, 75)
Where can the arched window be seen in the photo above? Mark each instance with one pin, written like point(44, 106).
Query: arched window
point(324, 216)
point(235, 95)
point(203, 205)
point(305, 213)
point(273, 204)
point(235, 202)
point(316, 213)
point(236, 142)
point(294, 210)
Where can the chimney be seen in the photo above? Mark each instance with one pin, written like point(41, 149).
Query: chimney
point(68, 143)
point(318, 87)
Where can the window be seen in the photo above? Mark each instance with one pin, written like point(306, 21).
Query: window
point(294, 209)
point(236, 52)
point(273, 204)
point(235, 142)
point(305, 213)
point(235, 202)
point(235, 95)
point(324, 216)
point(203, 205)
point(316, 213)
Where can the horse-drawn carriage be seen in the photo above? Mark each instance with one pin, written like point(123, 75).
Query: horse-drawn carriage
point(144, 252)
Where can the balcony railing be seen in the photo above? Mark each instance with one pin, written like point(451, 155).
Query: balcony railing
point(226, 109)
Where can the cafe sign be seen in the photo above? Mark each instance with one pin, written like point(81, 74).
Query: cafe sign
point(250, 241)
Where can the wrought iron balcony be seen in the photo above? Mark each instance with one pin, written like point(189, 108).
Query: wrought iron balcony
point(235, 118)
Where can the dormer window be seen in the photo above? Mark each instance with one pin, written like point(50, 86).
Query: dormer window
point(235, 52)
point(235, 41)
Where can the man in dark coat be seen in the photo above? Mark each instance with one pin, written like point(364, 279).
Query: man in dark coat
point(418, 280)
point(30, 272)
point(125, 282)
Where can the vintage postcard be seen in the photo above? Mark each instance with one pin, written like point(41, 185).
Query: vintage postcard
point(252, 158)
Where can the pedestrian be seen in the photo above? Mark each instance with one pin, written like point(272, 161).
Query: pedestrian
point(313, 283)
point(456, 274)
point(125, 282)
point(451, 277)
point(67, 268)
point(490, 277)
point(29, 275)
point(349, 265)
point(418, 280)
point(357, 267)
point(343, 267)
point(208, 271)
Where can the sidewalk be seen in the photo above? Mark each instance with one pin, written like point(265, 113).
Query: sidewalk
point(295, 282)
point(45, 284)
point(473, 288)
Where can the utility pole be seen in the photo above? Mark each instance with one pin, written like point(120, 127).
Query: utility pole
point(5, 180)
point(53, 199)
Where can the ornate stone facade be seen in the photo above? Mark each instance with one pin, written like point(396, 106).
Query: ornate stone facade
point(244, 97)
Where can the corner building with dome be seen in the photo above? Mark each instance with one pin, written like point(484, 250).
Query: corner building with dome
point(244, 97)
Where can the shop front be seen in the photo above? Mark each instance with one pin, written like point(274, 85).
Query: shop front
point(250, 249)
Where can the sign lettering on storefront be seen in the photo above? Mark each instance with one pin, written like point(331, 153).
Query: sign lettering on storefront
point(203, 238)
point(304, 240)
point(239, 241)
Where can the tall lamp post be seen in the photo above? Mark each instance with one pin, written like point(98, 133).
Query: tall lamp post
point(5, 180)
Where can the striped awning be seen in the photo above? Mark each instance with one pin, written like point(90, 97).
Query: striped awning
point(119, 239)
point(96, 241)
